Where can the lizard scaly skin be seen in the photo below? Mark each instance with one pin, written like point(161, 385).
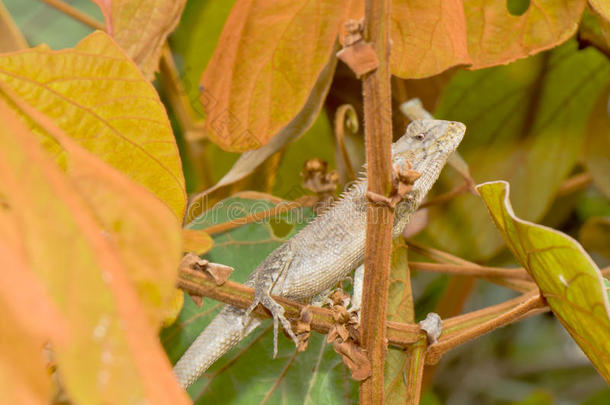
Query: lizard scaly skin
point(326, 250)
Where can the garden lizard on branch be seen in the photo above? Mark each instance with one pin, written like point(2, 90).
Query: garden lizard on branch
point(325, 251)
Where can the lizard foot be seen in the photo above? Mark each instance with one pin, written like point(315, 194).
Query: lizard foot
point(278, 315)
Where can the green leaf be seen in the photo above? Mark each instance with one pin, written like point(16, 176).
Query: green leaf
point(567, 277)
point(244, 377)
point(195, 40)
point(526, 124)
point(42, 23)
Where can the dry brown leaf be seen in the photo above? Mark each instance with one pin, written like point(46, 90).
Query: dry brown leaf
point(354, 358)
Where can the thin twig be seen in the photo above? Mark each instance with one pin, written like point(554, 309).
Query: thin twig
point(478, 271)
point(449, 195)
point(529, 305)
point(75, 13)
point(575, 183)
point(252, 218)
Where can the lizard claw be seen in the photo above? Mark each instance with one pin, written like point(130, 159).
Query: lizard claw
point(278, 315)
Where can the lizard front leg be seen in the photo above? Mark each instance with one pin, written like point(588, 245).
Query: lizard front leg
point(264, 282)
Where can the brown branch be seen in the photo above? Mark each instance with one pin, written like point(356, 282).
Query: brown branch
point(574, 183)
point(588, 37)
point(256, 217)
point(75, 13)
point(529, 304)
point(177, 96)
point(378, 132)
point(471, 270)
point(400, 335)
point(235, 294)
point(449, 195)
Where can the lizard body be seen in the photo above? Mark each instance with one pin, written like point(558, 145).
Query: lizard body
point(326, 250)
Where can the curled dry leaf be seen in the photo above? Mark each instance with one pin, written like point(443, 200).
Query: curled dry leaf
point(303, 329)
point(141, 28)
point(354, 358)
point(218, 272)
point(357, 54)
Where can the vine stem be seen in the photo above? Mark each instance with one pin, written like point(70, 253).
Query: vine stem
point(378, 130)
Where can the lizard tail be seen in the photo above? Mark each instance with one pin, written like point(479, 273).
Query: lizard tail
point(220, 336)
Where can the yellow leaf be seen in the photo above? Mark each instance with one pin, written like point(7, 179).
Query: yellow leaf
point(196, 241)
point(49, 223)
point(141, 28)
point(143, 229)
point(568, 279)
point(173, 309)
point(495, 36)
point(97, 96)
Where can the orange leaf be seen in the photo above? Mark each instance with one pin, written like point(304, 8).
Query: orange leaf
point(268, 58)
point(23, 331)
point(428, 37)
point(112, 353)
point(141, 28)
point(496, 37)
point(602, 7)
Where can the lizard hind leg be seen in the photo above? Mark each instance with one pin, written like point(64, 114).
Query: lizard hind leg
point(277, 311)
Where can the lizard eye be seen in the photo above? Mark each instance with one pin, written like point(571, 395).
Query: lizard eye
point(420, 136)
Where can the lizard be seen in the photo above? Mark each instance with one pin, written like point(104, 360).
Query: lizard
point(326, 251)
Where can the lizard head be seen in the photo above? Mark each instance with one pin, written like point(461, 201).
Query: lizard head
point(426, 145)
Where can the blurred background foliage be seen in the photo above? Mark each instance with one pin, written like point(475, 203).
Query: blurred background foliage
point(540, 123)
